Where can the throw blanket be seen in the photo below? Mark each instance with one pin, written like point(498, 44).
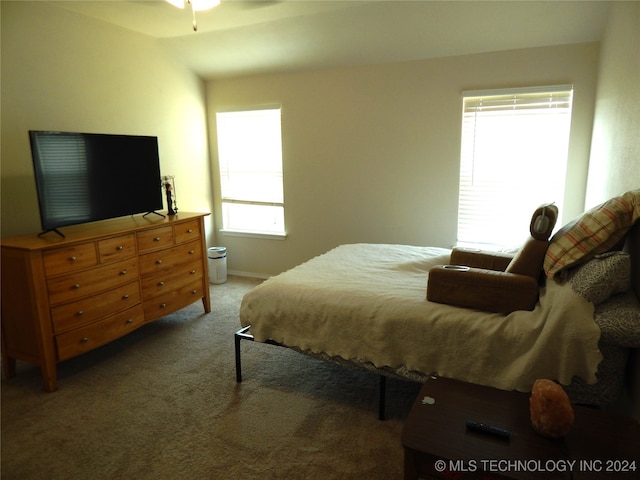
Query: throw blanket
point(367, 303)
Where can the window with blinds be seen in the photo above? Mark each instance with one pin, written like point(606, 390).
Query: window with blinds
point(63, 162)
point(513, 159)
point(250, 161)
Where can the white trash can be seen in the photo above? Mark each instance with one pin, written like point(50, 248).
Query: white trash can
point(217, 264)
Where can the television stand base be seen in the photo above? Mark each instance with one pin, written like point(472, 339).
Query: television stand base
point(157, 213)
point(52, 230)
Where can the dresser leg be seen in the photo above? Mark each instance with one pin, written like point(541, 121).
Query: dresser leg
point(49, 378)
point(8, 366)
point(206, 302)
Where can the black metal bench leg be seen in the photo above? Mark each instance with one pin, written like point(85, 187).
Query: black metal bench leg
point(237, 339)
point(382, 399)
point(241, 335)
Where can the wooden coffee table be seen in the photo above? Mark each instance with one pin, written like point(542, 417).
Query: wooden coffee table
point(438, 444)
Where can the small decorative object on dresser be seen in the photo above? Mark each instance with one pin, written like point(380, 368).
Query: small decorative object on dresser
point(169, 184)
point(62, 297)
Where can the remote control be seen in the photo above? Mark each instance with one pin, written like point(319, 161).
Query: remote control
point(481, 427)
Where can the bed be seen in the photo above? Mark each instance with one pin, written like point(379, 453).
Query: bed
point(364, 306)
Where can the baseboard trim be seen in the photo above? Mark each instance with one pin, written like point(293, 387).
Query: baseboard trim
point(239, 273)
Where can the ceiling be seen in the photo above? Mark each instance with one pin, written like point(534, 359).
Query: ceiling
point(242, 37)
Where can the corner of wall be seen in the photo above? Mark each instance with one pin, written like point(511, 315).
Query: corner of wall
point(615, 145)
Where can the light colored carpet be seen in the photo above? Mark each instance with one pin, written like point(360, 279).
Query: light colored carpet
point(162, 403)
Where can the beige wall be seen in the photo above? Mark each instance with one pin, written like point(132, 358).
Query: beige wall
point(371, 154)
point(61, 71)
point(615, 152)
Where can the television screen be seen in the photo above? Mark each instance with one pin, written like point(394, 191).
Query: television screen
point(84, 177)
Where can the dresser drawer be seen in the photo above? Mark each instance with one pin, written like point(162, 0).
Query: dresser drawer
point(117, 248)
point(78, 314)
point(172, 301)
point(99, 333)
point(77, 285)
point(69, 259)
point(154, 239)
point(187, 231)
point(158, 261)
point(170, 279)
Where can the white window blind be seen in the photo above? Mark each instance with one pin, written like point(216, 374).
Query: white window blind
point(513, 159)
point(250, 160)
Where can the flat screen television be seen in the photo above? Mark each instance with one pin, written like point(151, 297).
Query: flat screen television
point(84, 177)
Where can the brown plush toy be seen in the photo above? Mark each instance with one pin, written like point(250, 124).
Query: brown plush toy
point(551, 412)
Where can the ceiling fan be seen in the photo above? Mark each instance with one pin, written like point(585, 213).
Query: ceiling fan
point(201, 5)
point(196, 6)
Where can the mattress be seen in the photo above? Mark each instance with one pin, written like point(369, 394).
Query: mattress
point(366, 303)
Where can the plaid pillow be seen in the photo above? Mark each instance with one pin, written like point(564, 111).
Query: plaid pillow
point(596, 231)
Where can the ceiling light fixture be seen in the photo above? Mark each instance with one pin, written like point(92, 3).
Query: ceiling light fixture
point(196, 6)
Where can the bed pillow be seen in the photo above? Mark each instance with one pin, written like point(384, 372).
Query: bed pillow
point(619, 320)
point(596, 231)
point(601, 277)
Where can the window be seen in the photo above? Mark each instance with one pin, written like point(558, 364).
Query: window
point(513, 159)
point(250, 159)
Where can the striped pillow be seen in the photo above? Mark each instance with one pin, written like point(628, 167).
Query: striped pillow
point(596, 231)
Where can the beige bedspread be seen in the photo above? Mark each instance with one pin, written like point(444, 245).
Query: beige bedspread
point(367, 302)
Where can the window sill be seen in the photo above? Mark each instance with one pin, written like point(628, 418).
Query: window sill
point(488, 247)
point(241, 233)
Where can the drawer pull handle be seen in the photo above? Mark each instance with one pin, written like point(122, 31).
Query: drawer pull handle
point(123, 272)
point(192, 272)
point(125, 296)
point(79, 313)
point(161, 284)
point(156, 239)
point(73, 258)
point(130, 320)
point(76, 286)
point(190, 230)
point(193, 292)
point(120, 247)
point(84, 339)
point(158, 262)
point(191, 252)
point(163, 305)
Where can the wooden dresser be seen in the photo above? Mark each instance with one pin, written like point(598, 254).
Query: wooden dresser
point(62, 297)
